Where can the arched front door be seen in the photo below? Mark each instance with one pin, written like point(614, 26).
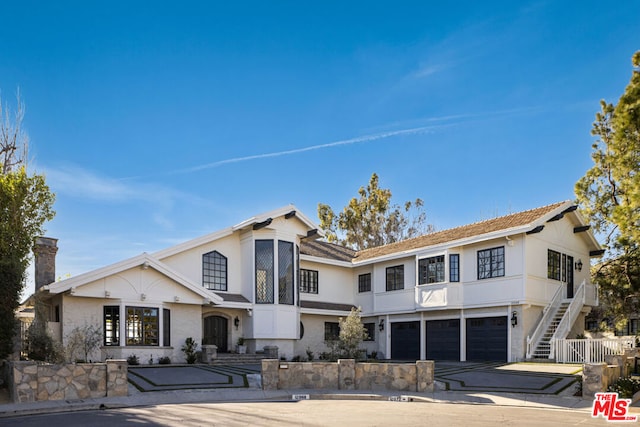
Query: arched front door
point(215, 332)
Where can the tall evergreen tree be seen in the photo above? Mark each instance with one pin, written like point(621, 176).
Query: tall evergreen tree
point(609, 196)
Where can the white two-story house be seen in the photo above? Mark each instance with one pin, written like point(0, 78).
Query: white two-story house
point(489, 291)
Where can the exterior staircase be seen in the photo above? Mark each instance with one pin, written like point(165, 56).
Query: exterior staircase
point(543, 349)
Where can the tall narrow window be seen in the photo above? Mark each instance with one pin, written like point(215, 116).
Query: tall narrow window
point(431, 270)
point(454, 268)
point(370, 329)
point(491, 263)
point(214, 271)
point(264, 271)
point(395, 278)
point(111, 325)
point(309, 281)
point(166, 327)
point(285, 272)
point(142, 326)
point(364, 282)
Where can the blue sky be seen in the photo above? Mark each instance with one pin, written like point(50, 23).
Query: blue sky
point(158, 122)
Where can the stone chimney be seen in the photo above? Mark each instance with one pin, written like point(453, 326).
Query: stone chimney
point(45, 261)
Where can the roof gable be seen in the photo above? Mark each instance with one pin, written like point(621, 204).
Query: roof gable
point(288, 211)
point(143, 260)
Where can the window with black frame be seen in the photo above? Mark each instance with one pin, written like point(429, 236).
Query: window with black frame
point(364, 282)
point(491, 263)
point(431, 270)
point(142, 326)
point(454, 267)
point(331, 331)
point(553, 264)
point(395, 278)
point(309, 281)
point(111, 325)
point(214, 271)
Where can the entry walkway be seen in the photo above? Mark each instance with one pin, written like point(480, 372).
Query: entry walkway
point(528, 378)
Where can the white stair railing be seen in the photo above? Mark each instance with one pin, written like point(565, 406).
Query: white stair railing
point(569, 318)
point(547, 316)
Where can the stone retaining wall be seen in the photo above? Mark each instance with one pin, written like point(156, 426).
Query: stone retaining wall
point(30, 382)
point(346, 374)
point(596, 377)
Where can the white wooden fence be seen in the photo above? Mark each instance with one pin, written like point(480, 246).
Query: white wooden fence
point(590, 351)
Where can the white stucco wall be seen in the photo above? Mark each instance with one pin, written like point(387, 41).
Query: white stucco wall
point(335, 284)
point(189, 263)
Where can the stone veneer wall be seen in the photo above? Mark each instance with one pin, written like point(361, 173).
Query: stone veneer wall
point(30, 382)
point(346, 374)
point(596, 377)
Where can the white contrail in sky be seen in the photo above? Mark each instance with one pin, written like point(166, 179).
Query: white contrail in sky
point(365, 138)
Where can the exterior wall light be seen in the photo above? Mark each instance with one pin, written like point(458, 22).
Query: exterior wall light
point(381, 325)
point(236, 322)
point(514, 318)
point(579, 265)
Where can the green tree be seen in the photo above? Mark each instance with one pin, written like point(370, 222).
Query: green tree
point(26, 203)
point(371, 220)
point(609, 196)
point(352, 333)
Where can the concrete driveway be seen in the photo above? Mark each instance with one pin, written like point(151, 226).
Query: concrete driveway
point(183, 377)
point(529, 378)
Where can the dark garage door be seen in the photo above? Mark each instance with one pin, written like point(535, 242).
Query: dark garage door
point(487, 339)
point(405, 340)
point(443, 339)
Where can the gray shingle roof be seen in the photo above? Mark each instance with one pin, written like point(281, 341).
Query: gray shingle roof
point(326, 306)
point(327, 250)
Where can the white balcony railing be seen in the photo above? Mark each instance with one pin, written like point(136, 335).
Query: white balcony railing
point(589, 351)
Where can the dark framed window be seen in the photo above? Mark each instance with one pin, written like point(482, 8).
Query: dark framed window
point(331, 331)
point(264, 271)
point(214, 271)
point(491, 263)
point(564, 267)
point(395, 278)
point(111, 325)
point(309, 281)
point(553, 264)
point(142, 326)
point(285, 272)
point(454, 268)
point(431, 270)
point(166, 327)
point(370, 329)
point(364, 282)
point(298, 273)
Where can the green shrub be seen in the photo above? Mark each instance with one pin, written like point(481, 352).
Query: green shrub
point(133, 360)
point(41, 346)
point(625, 387)
point(164, 360)
point(190, 349)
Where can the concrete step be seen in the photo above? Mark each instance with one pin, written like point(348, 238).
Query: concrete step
point(238, 359)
